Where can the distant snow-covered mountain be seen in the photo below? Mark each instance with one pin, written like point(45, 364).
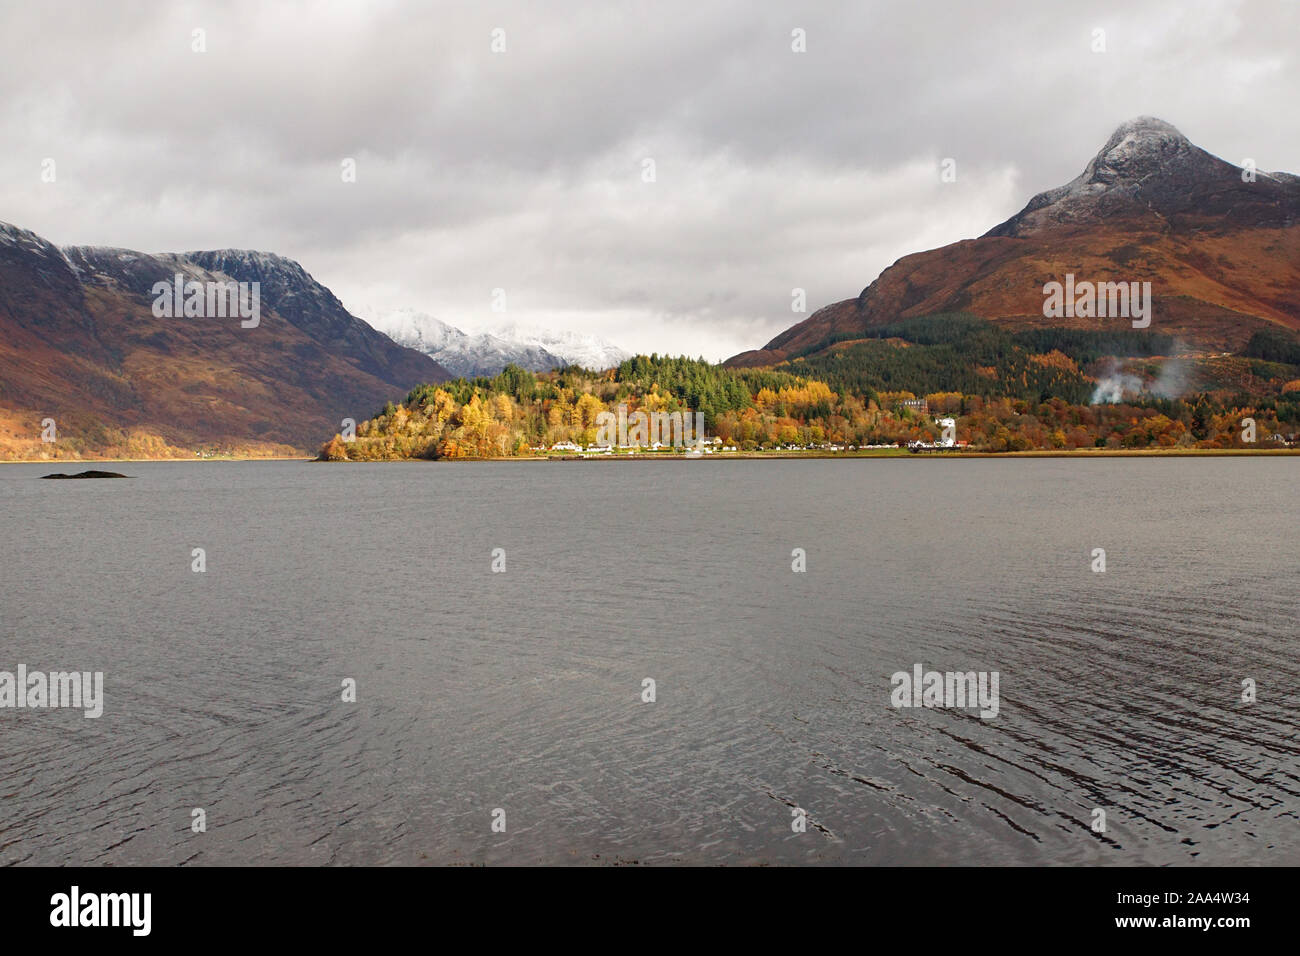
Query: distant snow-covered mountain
point(589, 351)
point(487, 353)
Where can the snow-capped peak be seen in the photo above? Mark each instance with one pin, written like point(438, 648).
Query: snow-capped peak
point(487, 353)
point(589, 351)
point(1135, 149)
point(416, 330)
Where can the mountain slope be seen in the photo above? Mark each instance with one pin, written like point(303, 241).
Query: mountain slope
point(79, 343)
point(1222, 254)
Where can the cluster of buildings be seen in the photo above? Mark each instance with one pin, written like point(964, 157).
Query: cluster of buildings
point(947, 439)
point(705, 446)
point(708, 446)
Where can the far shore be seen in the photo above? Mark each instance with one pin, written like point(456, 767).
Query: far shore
point(904, 453)
point(196, 461)
point(890, 453)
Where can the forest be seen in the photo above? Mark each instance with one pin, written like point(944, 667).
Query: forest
point(1007, 391)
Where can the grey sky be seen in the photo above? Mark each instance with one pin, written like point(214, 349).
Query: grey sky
point(522, 170)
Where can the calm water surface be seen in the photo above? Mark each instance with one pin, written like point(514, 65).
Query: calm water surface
point(522, 690)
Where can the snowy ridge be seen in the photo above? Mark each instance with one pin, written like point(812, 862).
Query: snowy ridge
point(574, 348)
point(27, 241)
point(487, 353)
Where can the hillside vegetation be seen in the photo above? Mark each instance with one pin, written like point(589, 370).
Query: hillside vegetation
point(1008, 391)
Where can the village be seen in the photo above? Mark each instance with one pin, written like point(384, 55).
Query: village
point(947, 441)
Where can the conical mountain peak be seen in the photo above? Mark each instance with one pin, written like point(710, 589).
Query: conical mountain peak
point(1145, 131)
point(1137, 148)
point(1147, 168)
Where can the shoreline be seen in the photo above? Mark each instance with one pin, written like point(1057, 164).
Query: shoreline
point(904, 454)
point(728, 456)
point(192, 461)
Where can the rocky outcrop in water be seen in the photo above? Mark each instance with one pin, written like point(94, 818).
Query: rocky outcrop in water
point(88, 474)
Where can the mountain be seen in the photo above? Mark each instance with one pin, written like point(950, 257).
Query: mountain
point(573, 348)
point(487, 353)
point(80, 343)
point(1222, 253)
point(462, 354)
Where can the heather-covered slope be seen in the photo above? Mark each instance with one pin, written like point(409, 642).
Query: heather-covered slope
point(1222, 253)
point(79, 343)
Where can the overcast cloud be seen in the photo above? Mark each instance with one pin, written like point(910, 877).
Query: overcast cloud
point(522, 170)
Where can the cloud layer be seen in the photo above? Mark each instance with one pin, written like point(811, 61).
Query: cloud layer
point(523, 170)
